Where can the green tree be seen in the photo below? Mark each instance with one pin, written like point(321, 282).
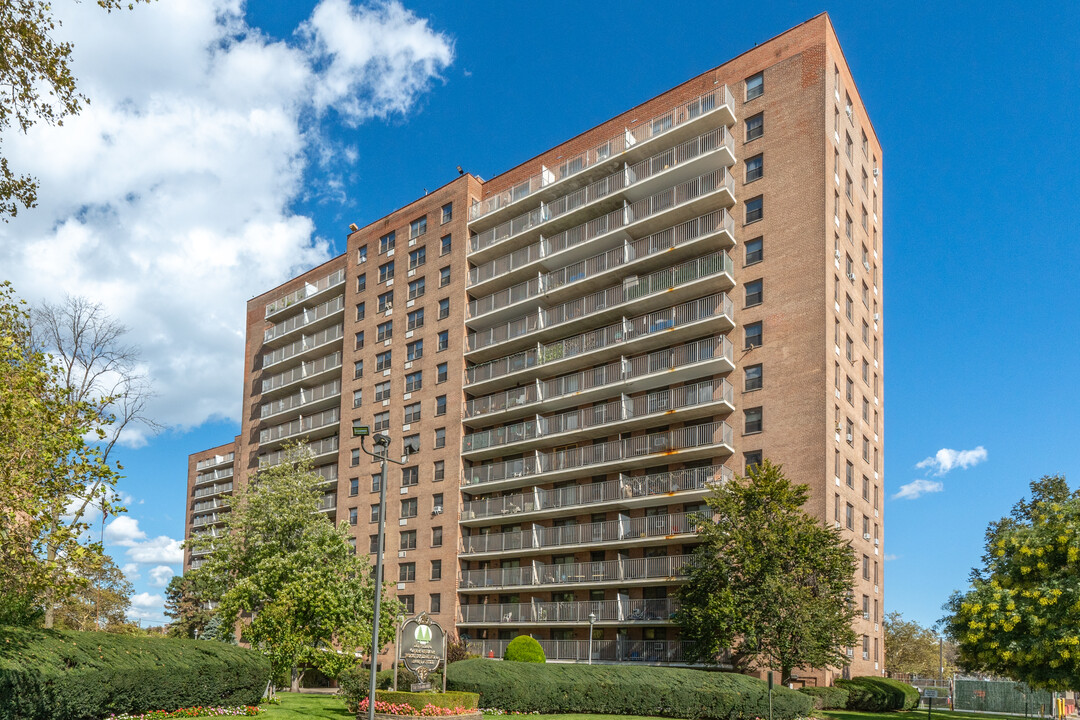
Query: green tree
point(185, 603)
point(101, 603)
point(36, 83)
point(1020, 618)
point(282, 563)
point(768, 583)
point(913, 649)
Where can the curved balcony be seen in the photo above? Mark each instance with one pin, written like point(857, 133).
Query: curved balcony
point(622, 572)
point(640, 652)
point(623, 414)
point(681, 445)
point(660, 611)
point(310, 318)
point(671, 284)
point(316, 425)
point(624, 532)
point(668, 246)
point(319, 450)
point(675, 205)
point(212, 490)
point(306, 294)
point(219, 474)
point(320, 368)
point(214, 461)
point(715, 106)
point(311, 399)
point(624, 493)
point(208, 505)
point(641, 333)
point(211, 519)
point(303, 347)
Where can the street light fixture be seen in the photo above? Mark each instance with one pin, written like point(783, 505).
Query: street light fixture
point(592, 621)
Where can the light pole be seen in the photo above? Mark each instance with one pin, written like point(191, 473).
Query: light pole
point(382, 442)
point(592, 621)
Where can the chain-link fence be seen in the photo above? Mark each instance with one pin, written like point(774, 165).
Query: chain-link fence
point(1001, 696)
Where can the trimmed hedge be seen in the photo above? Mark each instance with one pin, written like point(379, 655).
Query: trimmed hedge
point(68, 675)
point(623, 690)
point(827, 698)
point(417, 700)
point(524, 649)
point(878, 694)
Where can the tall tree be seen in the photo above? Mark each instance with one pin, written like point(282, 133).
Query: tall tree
point(282, 563)
point(768, 584)
point(36, 83)
point(1020, 617)
point(916, 650)
point(185, 603)
point(99, 604)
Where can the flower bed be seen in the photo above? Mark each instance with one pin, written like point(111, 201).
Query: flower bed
point(194, 712)
point(404, 709)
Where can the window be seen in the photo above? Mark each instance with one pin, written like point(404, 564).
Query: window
point(444, 276)
point(753, 377)
point(444, 245)
point(352, 516)
point(407, 572)
point(849, 349)
point(443, 340)
point(384, 331)
point(357, 398)
point(755, 126)
point(754, 251)
point(849, 516)
point(409, 602)
point(354, 486)
point(437, 503)
point(412, 412)
point(417, 227)
point(865, 567)
point(414, 350)
point(410, 476)
point(754, 168)
point(386, 301)
point(361, 311)
point(374, 513)
point(440, 470)
point(376, 482)
point(436, 598)
point(358, 340)
point(436, 569)
point(755, 86)
point(373, 543)
point(863, 183)
point(417, 257)
point(753, 335)
point(354, 457)
point(848, 225)
point(414, 381)
point(440, 405)
point(386, 271)
point(753, 420)
point(447, 212)
point(847, 145)
point(444, 308)
point(408, 540)
point(440, 373)
point(415, 319)
point(436, 537)
point(409, 507)
point(382, 421)
point(440, 437)
point(847, 185)
point(416, 288)
point(358, 369)
point(865, 145)
point(386, 242)
point(754, 293)
point(751, 460)
point(849, 474)
point(755, 209)
point(361, 255)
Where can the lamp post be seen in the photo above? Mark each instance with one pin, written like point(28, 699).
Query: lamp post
point(382, 443)
point(592, 621)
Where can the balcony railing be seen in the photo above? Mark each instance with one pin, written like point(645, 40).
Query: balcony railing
point(671, 568)
point(218, 474)
point(639, 249)
point(305, 343)
point(213, 490)
point(609, 531)
point(335, 278)
point(305, 318)
point(306, 396)
point(328, 502)
point(301, 425)
point(605, 151)
point(695, 436)
point(216, 460)
point(625, 488)
point(620, 410)
point(315, 449)
point(308, 369)
point(329, 473)
point(577, 612)
point(631, 290)
point(688, 313)
point(207, 519)
point(622, 370)
point(209, 505)
point(647, 652)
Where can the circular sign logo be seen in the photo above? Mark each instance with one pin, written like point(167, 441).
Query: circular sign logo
point(422, 634)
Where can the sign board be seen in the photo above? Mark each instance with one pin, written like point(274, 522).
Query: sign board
point(929, 692)
point(423, 643)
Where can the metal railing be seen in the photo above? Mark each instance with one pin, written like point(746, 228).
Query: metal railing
point(328, 502)
point(652, 652)
point(335, 278)
point(301, 425)
point(216, 460)
point(623, 529)
point(577, 611)
point(669, 567)
point(312, 367)
point(626, 487)
point(320, 447)
point(630, 329)
point(213, 490)
point(305, 343)
point(207, 519)
point(606, 151)
point(630, 290)
point(218, 474)
point(714, 433)
point(205, 505)
point(305, 318)
point(306, 396)
point(329, 473)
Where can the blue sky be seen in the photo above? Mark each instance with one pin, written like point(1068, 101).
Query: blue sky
point(220, 136)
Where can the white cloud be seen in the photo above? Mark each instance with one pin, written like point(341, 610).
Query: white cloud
point(162, 549)
point(160, 575)
point(145, 600)
point(124, 530)
point(889, 557)
point(168, 199)
point(918, 488)
point(131, 571)
point(947, 459)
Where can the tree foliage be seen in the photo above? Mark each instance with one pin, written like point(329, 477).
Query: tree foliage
point(283, 564)
point(1020, 618)
point(913, 649)
point(36, 83)
point(769, 583)
point(185, 603)
point(100, 604)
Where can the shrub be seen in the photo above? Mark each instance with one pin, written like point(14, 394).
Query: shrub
point(524, 649)
point(354, 684)
point(68, 675)
point(878, 694)
point(623, 690)
point(827, 698)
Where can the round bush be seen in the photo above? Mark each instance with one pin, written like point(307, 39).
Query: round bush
point(878, 694)
point(827, 698)
point(524, 649)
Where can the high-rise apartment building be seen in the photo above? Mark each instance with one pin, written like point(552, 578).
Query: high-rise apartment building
point(583, 344)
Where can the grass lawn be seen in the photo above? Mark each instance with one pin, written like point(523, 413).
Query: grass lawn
point(912, 715)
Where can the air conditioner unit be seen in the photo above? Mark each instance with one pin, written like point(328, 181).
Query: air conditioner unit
point(837, 524)
point(877, 316)
point(850, 438)
point(851, 277)
point(876, 542)
point(437, 511)
point(848, 110)
point(866, 264)
point(839, 428)
point(877, 172)
point(837, 253)
point(866, 536)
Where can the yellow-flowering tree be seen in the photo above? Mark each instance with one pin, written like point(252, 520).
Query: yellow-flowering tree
point(1021, 616)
